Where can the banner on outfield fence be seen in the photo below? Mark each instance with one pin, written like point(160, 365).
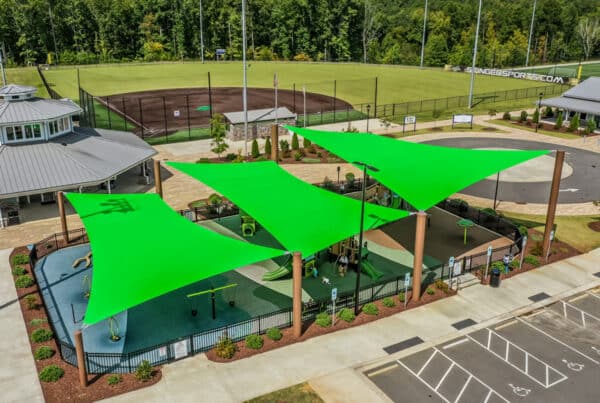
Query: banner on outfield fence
point(523, 75)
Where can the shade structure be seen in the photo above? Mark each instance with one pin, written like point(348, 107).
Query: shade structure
point(143, 249)
point(421, 174)
point(302, 217)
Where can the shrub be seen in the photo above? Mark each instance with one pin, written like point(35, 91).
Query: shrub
point(306, 143)
point(143, 372)
point(231, 156)
point(19, 271)
point(506, 116)
point(538, 249)
point(255, 151)
point(302, 57)
point(323, 319)
point(370, 309)
point(442, 285)
point(548, 112)
point(523, 230)
point(574, 124)
point(591, 126)
point(254, 341)
point(559, 120)
point(261, 158)
point(31, 302)
point(41, 335)
point(43, 353)
point(268, 146)
point(350, 179)
point(497, 265)
point(532, 260)
point(319, 154)
point(523, 116)
point(114, 379)
point(312, 149)
point(20, 258)
point(51, 373)
point(389, 302)
point(285, 147)
point(430, 291)
point(295, 144)
point(492, 112)
point(346, 314)
point(203, 160)
point(24, 281)
point(37, 322)
point(274, 334)
point(401, 297)
point(459, 204)
point(514, 264)
point(225, 347)
point(298, 156)
point(536, 116)
point(490, 211)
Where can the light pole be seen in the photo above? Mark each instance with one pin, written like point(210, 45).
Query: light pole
point(368, 116)
point(424, 33)
point(539, 112)
point(360, 233)
point(245, 89)
point(496, 191)
point(474, 56)
point(201, 35)
point(530, 33)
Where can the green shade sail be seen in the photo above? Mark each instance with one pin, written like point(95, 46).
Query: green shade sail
point(302, 217)
point(422, 174)
point(143, 249)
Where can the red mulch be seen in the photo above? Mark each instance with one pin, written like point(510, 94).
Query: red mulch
point(558, 251)
point(67, 389)
point(313, 330)
point(314, 152)
point(594, 226)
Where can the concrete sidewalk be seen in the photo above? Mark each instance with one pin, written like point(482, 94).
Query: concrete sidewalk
point(328, 362)
point(18, 374)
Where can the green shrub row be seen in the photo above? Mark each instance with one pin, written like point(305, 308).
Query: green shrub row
point(19, 271)
point(20, 258)
point(370, 309)
point(41, 335)
point(43, 353)
point(51, 373)
point(24, 281)
point(323, 319)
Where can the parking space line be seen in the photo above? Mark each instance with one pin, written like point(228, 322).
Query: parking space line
point(508, 345)
point(463, 389)
point(593, 294)
point(507, 324)
point(557, 340)
point(423, 380)
point(456, 343)
point(382, 370)
point(427, 362)
point(581, 312)
point(444, 376)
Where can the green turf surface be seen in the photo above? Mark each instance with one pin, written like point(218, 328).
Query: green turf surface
point(28, 76)
point(355, 82)
point(199, 133)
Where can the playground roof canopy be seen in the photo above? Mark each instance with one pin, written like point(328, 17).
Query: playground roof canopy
point(143, 249)
point(422, 174)
point(302, 217)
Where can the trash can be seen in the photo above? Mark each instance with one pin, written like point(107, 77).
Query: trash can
point(495, 279)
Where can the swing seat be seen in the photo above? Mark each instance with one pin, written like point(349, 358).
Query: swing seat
point(248, 230)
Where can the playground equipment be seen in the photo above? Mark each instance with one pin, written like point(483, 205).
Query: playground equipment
point(309, 266)
point(248, 226)
point(349, 247)
point(113, 328)
point(466, 224)
point(282, 271)
point(86, 286)
point(87, 259)
point(212, 292)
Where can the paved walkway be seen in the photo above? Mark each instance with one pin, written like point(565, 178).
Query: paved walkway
point(328, 362)
point(18, 374)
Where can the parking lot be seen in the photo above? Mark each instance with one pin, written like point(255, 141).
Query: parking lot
point(549, 355)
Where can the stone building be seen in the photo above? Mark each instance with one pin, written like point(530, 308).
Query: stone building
point(259, 122)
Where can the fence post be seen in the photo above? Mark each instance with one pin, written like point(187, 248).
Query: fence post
point(165, 118)
point(376, 90)
point(294, 95)
point(334, 95)
point(141, 116)
point(124, 113)
point(187, 105)
point(108, 113)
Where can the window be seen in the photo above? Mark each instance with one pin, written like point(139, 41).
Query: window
point(37, 131)
point(61, 126)
point(18, 133)
point(28, 131)
point(66, 123)
point(10, 134)
point(583, 116)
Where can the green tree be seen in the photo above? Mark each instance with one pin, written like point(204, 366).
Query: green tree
point(295, 144)
point(218, 135)
point(268, 146)
point(255, 150)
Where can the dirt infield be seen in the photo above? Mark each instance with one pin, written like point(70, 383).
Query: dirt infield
point(161, 111)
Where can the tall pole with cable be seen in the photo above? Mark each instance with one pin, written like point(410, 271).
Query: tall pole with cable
point(201, 34)
point(2, 65)
point(530, 33)
point(424, 34)
point(245, 89)
point(474, 56)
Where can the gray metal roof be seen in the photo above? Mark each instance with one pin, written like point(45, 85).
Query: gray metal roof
point(573, 104)
point(85, 157)
point(14, 89)
point(588, 90)
point(260, 115)
point(36, 109)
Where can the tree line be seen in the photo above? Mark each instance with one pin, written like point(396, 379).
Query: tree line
point(373, 31)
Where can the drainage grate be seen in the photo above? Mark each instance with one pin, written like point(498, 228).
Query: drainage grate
point(597, 274)
point(403, 345)
point(463, 324)
point(539, 297)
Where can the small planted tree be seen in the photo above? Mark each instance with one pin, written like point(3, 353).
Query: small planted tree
point(295, 143)
point(548, 112)
point(306, 143)
point(255, 150)
point(268, 146)
point(506, 116)
point(523, 116)
point(536, 117)
point(559, 120)
point(574, 124)
point(218, 135)
point(591, 126)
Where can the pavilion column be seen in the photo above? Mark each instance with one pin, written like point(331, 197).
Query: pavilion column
point(418, 257)
point(275, 143)
point(297, 294)
point(63, 216)
point(83, 380)
point(158, 179)
point(558, 166)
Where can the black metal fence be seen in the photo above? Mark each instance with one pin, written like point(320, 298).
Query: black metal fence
point(53, 94)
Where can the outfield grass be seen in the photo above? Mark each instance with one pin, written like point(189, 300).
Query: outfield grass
point(182, 135)
point(355, 82)
point(27, 76)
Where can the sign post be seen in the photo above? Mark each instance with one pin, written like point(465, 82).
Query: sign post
point(406, 285)
point(409, 120)
point(451, 267)
point(523, 246)
point(550, 247)
point(487, 262)
point(333, 298)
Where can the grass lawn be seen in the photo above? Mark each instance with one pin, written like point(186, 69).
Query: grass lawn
point(29, 76)
point(355, 82)
point(182, 135)
point(301, 393)
point(573, 230)
point(560, 135)
point(447, 129)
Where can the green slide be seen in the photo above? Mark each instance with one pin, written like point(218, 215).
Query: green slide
point(278, 273)
point(369, 269)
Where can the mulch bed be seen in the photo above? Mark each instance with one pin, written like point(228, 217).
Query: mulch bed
point(313, 330)
point(550, 128)
point(67, 389)
point(558, 251)
point(594, 226)
point(316, 153)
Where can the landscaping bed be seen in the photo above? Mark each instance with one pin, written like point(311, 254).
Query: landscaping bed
point(314, 329)
point(61, 388)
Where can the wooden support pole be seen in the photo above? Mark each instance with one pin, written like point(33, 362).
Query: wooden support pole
point(552, 202)
point(418, 258)
point(83, 381)
point(157, 178)
point(63, 216)
point(297, 299)
point(275, 143)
